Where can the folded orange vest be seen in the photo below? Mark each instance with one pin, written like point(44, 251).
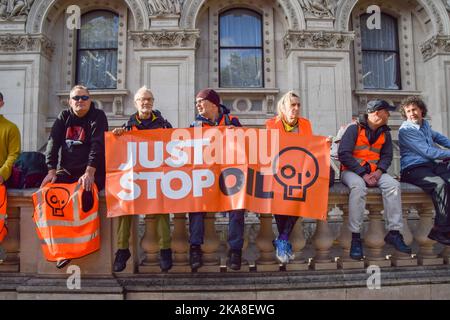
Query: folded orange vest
point(3, 205)
point(65, 230)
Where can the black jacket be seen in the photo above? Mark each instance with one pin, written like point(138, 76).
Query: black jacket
point(223, 112)
point(158, 123)
point(81, 141)
point(347, 144)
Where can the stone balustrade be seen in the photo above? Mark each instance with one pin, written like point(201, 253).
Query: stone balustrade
point(327, 248)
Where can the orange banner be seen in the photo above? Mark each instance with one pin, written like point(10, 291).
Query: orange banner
point(216, 169)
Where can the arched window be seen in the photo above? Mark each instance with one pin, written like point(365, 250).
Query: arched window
point(241, 49)
point(380, 54)
point(97, 50)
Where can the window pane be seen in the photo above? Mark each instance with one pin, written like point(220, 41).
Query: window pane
point(381, 70)
point(384, 38)
point(99, 30)
point(97, 69)
point(241, 68)
point(240, 28)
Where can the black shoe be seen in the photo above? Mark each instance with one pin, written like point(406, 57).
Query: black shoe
point(395, 238)
point(195, 257)
point(62, 263)
point(165, 259)
point(441, 237)
point(234, 259)
point(120, 262)
point(356, 250)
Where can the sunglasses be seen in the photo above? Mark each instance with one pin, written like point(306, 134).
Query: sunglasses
point(77, 98)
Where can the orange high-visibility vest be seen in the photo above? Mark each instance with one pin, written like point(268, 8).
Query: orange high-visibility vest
point(364, 152)
point(65, 230)
point(225, 121)
point(304, 126)
point(3, 205)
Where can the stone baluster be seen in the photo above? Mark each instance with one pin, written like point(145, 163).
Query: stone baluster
point(11, 244)
point(266, 261)
point(150, 245)
point(180, 244)
point(298, 241)
point(426, 256)
point(400, 259)
point(445, 254)
point(345, 241)
point(210, 245)
point(374, 238)
point(323, 241)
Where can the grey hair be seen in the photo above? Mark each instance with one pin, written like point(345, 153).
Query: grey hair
point(79, 87)
point(140, 90)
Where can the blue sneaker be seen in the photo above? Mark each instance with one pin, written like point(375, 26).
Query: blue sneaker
point(281, 247)
point(356, 249)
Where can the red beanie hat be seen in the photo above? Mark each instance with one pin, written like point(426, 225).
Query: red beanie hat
point(210, 95)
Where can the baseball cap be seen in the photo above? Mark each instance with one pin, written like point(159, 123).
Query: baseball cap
point(376, 105)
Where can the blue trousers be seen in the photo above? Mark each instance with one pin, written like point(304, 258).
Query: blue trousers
point(235, 228)
point(285, 224)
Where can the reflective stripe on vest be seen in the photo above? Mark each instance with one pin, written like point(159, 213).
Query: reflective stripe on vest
point(364, 152)
point(64, 229)
point(3, 205)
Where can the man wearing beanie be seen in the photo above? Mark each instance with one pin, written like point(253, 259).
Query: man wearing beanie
point(210, 114)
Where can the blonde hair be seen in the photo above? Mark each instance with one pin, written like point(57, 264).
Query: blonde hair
point(79, 87)
point(285, 103)
point(142, 89)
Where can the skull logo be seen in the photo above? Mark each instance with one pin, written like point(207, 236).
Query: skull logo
point(57, 198)
point(296, 169)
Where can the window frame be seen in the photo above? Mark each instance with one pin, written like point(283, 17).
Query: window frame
point(398, 78)
point(261, 20)
point(78, 50)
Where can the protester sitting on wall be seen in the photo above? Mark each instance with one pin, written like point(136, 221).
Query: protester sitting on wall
point(144, 119)
point(421, 163)
point(365, 153)
point(78, 133)
point(212, 113)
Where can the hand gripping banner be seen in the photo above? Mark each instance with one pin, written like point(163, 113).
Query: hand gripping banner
point(216, 169)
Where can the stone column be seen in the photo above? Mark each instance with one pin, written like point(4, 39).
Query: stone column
point(180, 244)
point(400, 259)
point(210, 245)
point(150, 245)
point(345, 241)
point(323, 241)
point(374, 238)
point(266, 260)
point(426, 256)
point(298, 241)
point(11, 243)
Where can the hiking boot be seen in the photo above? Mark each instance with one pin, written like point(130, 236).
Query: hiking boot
point(120, 262)
point(165, 259)
point(62, 263)
point(395, 238)
point(234, 259)
point(281, 251)
point(195, 257)
point(356, 249)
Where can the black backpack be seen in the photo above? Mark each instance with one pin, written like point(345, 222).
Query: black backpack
point(28, 171)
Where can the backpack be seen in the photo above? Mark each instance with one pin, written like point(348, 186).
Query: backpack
point(28, 171)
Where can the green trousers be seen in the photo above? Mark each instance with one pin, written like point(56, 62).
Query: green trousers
point(162, 229)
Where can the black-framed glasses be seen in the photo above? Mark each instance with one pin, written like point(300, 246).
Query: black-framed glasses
point(77, 98)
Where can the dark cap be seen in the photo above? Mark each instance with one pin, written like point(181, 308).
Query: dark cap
point(210, 95)
point(376, 105)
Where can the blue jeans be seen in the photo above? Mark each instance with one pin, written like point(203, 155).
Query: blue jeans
point(235, 228)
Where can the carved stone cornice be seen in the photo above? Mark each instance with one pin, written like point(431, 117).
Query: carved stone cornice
point(26, 43)
point(437, 44)
point(163, 39)
point(317, 40)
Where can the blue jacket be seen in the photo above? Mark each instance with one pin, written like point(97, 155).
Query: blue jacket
point(418, 144)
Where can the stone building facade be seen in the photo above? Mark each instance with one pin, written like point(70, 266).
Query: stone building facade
point(250, 51)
